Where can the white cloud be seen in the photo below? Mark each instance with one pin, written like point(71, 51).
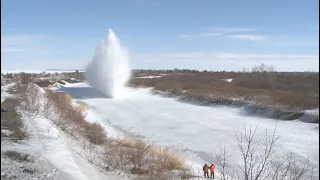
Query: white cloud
point(35, 52)
point(201, 35)
point(248, 37)
point(230, 30)
point(231, 33)
point(217, 31)
point(225, 61)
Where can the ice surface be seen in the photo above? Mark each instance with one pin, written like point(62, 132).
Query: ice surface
point(196, 129)
point(109, 70)
point(228, 80)
point(148, 77)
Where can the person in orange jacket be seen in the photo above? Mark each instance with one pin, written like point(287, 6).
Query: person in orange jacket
point(206, 170)
point(212, 167)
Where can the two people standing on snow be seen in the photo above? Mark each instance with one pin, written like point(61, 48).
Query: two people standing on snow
point(206, 170)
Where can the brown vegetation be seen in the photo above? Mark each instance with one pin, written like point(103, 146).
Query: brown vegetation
point(95, 133)
point(42, 79)
point(70, 118)
point(142, 157)
point(18, 156)
point(11, 120)
point(44, 83)
point(295, 91)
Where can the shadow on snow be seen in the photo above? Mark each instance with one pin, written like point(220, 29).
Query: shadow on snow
point(82, 92)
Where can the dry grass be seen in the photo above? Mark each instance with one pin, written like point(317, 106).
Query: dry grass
point(83, 107)
point(168, 158)
point(143, 156)
point(44, 83)
point(18, 156)
point(11, 120)
point(72, 119)
point(127, 142)
point(294, 91)
point(95, 133)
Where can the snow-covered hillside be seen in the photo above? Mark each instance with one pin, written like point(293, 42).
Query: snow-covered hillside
point(196, 129)
point(49, 153)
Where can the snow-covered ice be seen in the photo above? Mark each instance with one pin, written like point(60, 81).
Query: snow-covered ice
point(148, 77)
point(196, 129)
point(228, 80)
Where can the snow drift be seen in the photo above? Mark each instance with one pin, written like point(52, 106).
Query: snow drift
point(109, 70)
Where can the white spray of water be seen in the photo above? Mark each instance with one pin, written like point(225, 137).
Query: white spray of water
point(109, 70)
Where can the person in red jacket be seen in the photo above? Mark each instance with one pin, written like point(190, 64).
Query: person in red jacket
point(206, 170)
point(212, 167)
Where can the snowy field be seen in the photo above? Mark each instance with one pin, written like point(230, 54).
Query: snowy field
point(6, 71)
point(195, 129)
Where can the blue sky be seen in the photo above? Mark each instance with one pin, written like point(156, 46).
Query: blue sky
point(163, 34)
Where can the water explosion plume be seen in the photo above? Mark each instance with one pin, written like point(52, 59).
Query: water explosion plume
point(109, 70)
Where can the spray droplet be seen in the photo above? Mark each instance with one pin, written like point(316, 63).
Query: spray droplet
point(109, 71)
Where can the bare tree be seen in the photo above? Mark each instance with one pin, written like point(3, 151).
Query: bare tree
point(263, 68)
point(245, 69)
point(139, 155)
point(25, 78)
point(95, 133)
point(222, 162)
point(264, 165)
point(30, 98)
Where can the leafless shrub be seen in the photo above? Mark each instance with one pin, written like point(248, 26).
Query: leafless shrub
point(265, 165)
point(30, 98)
point(52, 110)
point(142, 157)
point(288, 168)
point(185, 173)
point(74, 76)
point(155, 174)
point(139, 155)
point(128, 142)
point(49, 105)
point(8, 75)
point(222, 162)
point(59, 108)
point(88, 149)
point(95, 133)
point(167, 158)
point(25, 78)
point(263, 68)
point(44, 83)
point(117, 157)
